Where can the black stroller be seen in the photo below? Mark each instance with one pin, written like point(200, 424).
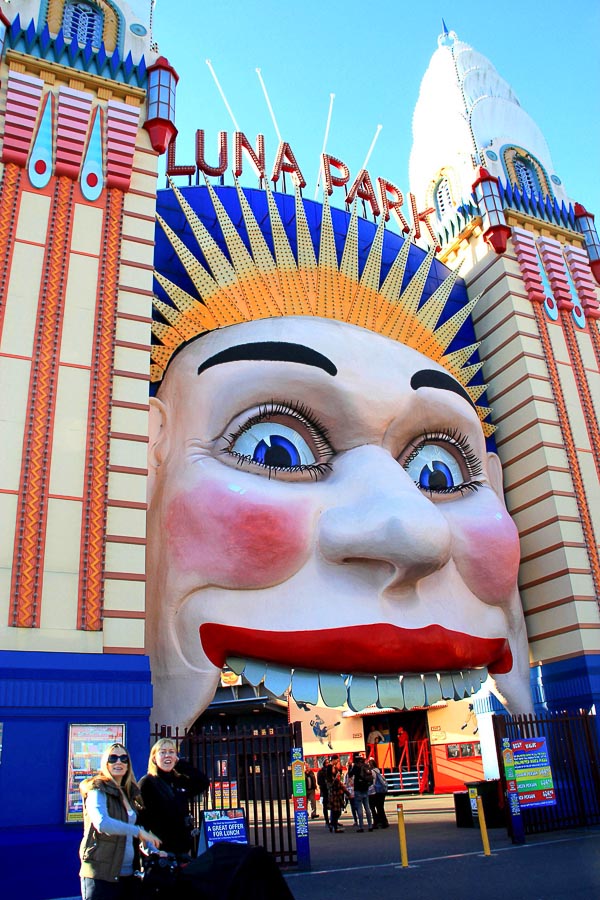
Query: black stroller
point(226, 871)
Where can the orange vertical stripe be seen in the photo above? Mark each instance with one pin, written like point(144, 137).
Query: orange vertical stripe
point(583, 387)
point(93, 532)
point(567, 435)
point(9, 192)
point(30, 535)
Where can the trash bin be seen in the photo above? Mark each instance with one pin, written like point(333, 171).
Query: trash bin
point(462, 809)
point(492, 798)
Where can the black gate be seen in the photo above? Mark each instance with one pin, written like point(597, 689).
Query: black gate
point(248, 768)
point(573, 743)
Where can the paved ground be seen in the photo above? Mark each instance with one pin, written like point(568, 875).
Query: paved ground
point(447, 861)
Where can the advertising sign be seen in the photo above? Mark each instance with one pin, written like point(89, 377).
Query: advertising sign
point(512, 795)
point(225, 793)
point(300, 808)
point(222, 825)
point(533, 773)
point(87, 743)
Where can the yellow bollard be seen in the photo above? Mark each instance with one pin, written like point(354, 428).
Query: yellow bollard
point(402, 835)
point(484, 835)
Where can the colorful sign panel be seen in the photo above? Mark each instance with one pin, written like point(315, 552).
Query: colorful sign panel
point(225, 793)
point(87, 743)
point(512, 795)
point(533, 773)
point(300, 808)
point(220, 825)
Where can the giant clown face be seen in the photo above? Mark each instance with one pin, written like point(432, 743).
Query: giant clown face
point(322, 504)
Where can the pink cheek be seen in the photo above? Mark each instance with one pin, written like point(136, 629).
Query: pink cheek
point(228, 539)
point(487, 554)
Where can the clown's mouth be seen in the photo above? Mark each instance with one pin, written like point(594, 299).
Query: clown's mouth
point(408, 667)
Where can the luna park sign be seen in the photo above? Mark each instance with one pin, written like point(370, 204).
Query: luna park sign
point(383, 197)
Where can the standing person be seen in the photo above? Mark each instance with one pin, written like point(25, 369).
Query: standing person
point(403, 748)
point(322, 782)
point(311, 789)
point(363, 777)
point(336, 793)
point(109, 850)
point(349, 783)
point(167, 791)
point(377, 792)
point(374, 737)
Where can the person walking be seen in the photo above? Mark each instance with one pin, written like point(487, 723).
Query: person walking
point(377, 791)
point(349, 784)
point(311, 791)
point(322, 782)
point(336, 791)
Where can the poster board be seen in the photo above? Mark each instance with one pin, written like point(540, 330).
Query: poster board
point(218, 825)
point(533, 774)
point(87, 743)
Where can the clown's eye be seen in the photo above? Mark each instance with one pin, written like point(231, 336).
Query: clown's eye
point(281, 439)
point(274, 445)
point(443, 464)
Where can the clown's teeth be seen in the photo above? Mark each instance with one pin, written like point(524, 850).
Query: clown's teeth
point(433, 692)
point(447, 686)
point(459, 686)
point(254, 671)
point(414, 691)
point(333, 689)
point(236, 664)
point(471, 680)
point(390, 692)
point(305, 686)
point(277, 679)
point(362, 692)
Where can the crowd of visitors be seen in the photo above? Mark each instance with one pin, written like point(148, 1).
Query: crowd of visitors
point(361, 788)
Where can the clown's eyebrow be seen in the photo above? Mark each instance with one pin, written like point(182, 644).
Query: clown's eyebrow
point(434, 379)
point(271, 351)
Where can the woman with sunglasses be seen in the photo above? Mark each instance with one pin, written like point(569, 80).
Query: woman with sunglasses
point(167, 791)
point(109, 851)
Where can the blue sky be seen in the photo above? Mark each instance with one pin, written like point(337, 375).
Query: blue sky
point(373, 56)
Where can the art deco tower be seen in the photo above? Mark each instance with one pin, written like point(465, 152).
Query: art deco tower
point(77, 202)
point(480, 161)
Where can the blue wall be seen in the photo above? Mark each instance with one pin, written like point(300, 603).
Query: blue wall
point(569, 684)
point(40, 695)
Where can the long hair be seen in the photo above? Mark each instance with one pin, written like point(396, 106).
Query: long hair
point(128, 782)
point(162, 742)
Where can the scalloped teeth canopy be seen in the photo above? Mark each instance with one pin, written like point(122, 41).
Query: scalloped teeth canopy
point(255, 283)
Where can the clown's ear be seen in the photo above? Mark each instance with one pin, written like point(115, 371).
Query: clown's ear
point(158, 444)
point(495, 472)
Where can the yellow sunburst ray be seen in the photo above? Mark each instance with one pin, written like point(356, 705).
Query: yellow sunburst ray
point(184, 305)
point(329, 302)
point(367, 298)
point(399, 322)
point(307, 261)
point(222, 270)
point(432, 309)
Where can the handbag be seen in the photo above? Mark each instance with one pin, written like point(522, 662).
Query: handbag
point(381, 785)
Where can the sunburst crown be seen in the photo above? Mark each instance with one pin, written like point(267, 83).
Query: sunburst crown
point(254, 282)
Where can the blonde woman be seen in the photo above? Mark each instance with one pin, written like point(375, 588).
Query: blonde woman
point(167, 791)
point(109, 851)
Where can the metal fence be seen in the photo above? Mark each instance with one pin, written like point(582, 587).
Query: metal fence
point(573, 742)
point(248, 768)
